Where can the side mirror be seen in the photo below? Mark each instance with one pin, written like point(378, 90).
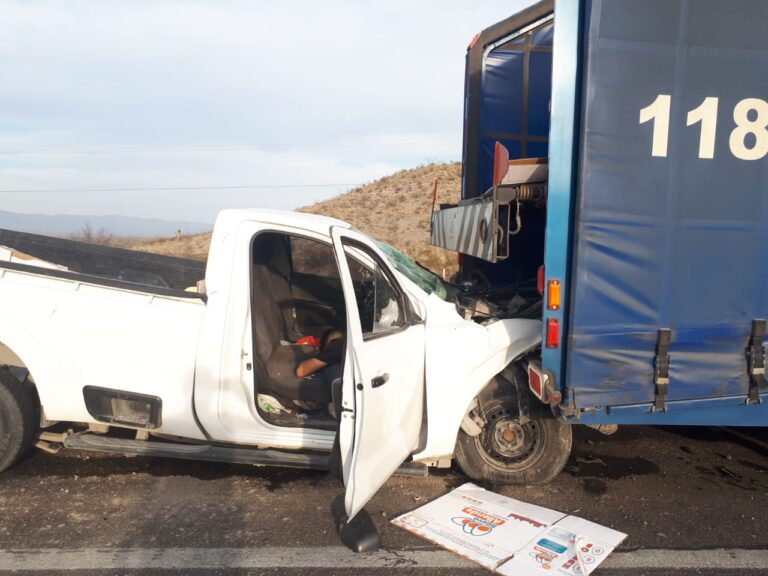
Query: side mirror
point(358, 534)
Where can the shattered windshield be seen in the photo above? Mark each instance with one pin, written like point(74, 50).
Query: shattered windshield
point(428, 281)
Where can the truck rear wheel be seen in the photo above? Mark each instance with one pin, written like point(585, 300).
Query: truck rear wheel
point(18, 413)
point(508, 451)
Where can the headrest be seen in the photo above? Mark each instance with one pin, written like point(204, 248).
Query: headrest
point(272, 250)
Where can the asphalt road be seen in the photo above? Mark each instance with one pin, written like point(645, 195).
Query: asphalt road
point(692, 500)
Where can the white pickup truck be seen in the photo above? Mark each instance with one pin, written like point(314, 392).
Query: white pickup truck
point(112, 350)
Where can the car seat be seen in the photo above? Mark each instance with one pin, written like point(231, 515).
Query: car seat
point(273, 323)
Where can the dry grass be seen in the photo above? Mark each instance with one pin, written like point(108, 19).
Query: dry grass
point(395, 209)
point(185, 246)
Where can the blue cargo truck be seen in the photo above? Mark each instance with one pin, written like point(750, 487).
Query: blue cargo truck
point(646, 239)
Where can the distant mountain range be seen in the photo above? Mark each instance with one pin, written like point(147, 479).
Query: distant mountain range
point(127, 226)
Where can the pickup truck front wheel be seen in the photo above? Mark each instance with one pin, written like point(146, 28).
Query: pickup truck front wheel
point(511, 451)
point(18, 413)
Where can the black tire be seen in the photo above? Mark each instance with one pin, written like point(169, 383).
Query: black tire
point(507, 452)
point(18, 419)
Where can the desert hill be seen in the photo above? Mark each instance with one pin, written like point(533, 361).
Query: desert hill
point(395, 209)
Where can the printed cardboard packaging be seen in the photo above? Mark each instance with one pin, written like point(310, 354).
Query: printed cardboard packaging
point(511, 537)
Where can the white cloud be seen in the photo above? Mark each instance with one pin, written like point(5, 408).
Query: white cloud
point(321, 91)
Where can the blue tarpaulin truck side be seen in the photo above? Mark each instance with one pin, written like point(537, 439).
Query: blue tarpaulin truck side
point(652, 242)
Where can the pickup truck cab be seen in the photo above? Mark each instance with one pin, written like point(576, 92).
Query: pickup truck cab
point(97, 341)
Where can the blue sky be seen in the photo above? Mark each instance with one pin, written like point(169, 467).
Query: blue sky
point(107, 106)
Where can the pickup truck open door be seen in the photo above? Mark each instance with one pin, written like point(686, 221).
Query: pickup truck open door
point(383, 383)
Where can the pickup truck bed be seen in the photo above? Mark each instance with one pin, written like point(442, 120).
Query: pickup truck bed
point(106, 263)
point(107, 302)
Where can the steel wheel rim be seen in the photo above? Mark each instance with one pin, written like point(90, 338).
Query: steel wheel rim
point(505, 444)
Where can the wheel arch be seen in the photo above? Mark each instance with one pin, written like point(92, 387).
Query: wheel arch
point(514, 380)
point(461, 360)
point(539, 443)
point(19, 350)
point(20, 411)
point(480, 383)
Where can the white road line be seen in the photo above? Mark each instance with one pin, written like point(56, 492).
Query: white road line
point(337, 557)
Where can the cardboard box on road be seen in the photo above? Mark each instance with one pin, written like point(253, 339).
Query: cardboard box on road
point(511, 537)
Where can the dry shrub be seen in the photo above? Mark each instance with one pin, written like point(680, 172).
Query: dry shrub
point(88, 234)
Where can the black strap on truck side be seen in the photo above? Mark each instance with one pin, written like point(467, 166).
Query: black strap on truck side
point(661, 369)
point(756, 362)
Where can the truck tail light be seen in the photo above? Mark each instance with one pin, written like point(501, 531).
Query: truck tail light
point(540, 280)
point(459, 259)
point(553, 295)
point(553, 333)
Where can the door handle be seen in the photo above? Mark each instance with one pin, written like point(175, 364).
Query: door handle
point(379, 380)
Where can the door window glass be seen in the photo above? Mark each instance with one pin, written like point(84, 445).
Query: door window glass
point(378, 301)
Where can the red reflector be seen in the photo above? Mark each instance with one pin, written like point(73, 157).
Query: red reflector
point(553, 333)
point(534, 381)
point(500, 163)
point(540, 281)
point(459, 259)
point(472, 42)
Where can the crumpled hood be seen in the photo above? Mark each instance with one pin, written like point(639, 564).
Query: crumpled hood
point(516, 335)
point(505, 341)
